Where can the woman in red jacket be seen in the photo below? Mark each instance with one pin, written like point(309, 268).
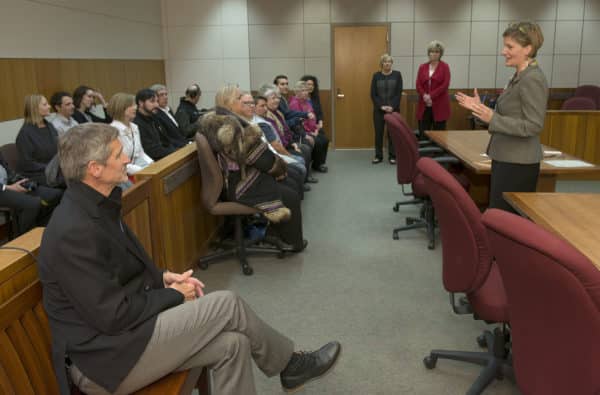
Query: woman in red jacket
point(433, 80)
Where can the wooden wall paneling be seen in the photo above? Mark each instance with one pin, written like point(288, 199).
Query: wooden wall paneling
point(21, 77)
point(591, 149)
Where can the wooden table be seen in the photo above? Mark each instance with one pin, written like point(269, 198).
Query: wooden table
point(573, 216)
point(469, 145)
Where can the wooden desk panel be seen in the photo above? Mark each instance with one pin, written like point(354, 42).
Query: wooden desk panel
point(17, 268)
point(469, 145)
point(184, 226)
point(573, 216)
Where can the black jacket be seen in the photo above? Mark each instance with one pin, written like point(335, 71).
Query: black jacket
point(187, 116)
point(154, 138)
point(10, 174)
point(36, 146)
point(79, 117)
point(101, 290)
point(172, 131)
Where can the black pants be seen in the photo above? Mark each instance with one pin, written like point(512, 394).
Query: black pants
point(28, 207)
point(511, 177)
point(428, 123)
point(319, 154)
point(290, 231)
point(379, 124)
point(295, 180)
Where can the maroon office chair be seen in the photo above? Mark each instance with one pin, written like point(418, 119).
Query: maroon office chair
point(553, 294)
point(589, 91)
point(468, 268)
point(406, 173)
point(578, 103)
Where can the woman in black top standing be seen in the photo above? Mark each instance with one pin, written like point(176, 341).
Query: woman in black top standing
point(37, 141)
point(83, 99)
point(321, 140)
point(386, 92)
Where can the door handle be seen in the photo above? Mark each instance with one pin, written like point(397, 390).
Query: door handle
point(339, 94)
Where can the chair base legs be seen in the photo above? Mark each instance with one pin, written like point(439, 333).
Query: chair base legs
point(495, 361)
point(427, 221)
point(241, 249)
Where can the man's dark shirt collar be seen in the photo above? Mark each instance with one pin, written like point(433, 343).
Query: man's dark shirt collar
point(96, 203)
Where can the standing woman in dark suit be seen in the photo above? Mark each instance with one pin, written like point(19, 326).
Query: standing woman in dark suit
point(433, 80)
point(37, 141)
point(516, 123)
point(386, 92)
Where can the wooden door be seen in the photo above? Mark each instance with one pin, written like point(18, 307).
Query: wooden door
point(357, 50)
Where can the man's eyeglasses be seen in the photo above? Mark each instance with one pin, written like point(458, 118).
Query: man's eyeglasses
point(248, 103)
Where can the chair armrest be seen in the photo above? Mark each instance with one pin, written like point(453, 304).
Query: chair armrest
point(446, 159)
point(430, 150)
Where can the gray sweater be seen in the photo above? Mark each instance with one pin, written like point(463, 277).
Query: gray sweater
point(519, 118)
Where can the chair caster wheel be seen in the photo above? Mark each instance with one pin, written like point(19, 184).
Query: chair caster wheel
point(396, 237)
point(431, 245)
point(481, 341)
point(410, 221)
point(203, 265)
point(429, 362)
point(281, 254)
point(247, 270)
point(396, 208)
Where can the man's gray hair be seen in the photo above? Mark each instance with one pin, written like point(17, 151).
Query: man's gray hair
point(158, 87)
point(267, 90)
point(82, 144)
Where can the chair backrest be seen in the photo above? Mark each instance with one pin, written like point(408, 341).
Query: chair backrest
point(25, 359)
point(407, 153)
point(553, 294)
point(11, 155)
point(212, 178)
point(578, 103)
point(589, 91)
point(406, 127)
point(466, 258)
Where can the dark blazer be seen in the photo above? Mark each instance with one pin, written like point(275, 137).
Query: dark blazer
point(153, 136)
point(437, 87)
point(187, 116)
point(79, 117)
point(386, 90)
point(519, 118)
point(101, 291)
point(36, 146)
point(172, 131)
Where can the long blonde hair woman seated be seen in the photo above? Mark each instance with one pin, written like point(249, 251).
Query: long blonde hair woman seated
point(121, 108)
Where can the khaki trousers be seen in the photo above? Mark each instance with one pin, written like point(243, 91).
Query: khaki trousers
point(219, 331)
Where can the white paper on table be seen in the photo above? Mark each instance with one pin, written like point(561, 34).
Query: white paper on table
point(568, 163)
point(550, 153)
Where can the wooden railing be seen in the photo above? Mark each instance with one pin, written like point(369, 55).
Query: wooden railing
point(185, 226)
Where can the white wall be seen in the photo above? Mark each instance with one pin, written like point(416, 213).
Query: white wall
point(205, 42)
point(110, 29)
point(294, 37)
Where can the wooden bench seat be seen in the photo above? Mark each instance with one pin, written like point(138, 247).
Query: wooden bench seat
point(25, 352)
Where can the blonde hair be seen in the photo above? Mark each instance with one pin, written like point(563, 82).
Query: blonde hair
point(118, 104)
point(226, 95)
point(526, 33)
point(436, 45)
point(384, 58)
point(299, 85)
point(32, 109)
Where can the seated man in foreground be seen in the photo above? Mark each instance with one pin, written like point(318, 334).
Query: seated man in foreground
point(117, 321)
